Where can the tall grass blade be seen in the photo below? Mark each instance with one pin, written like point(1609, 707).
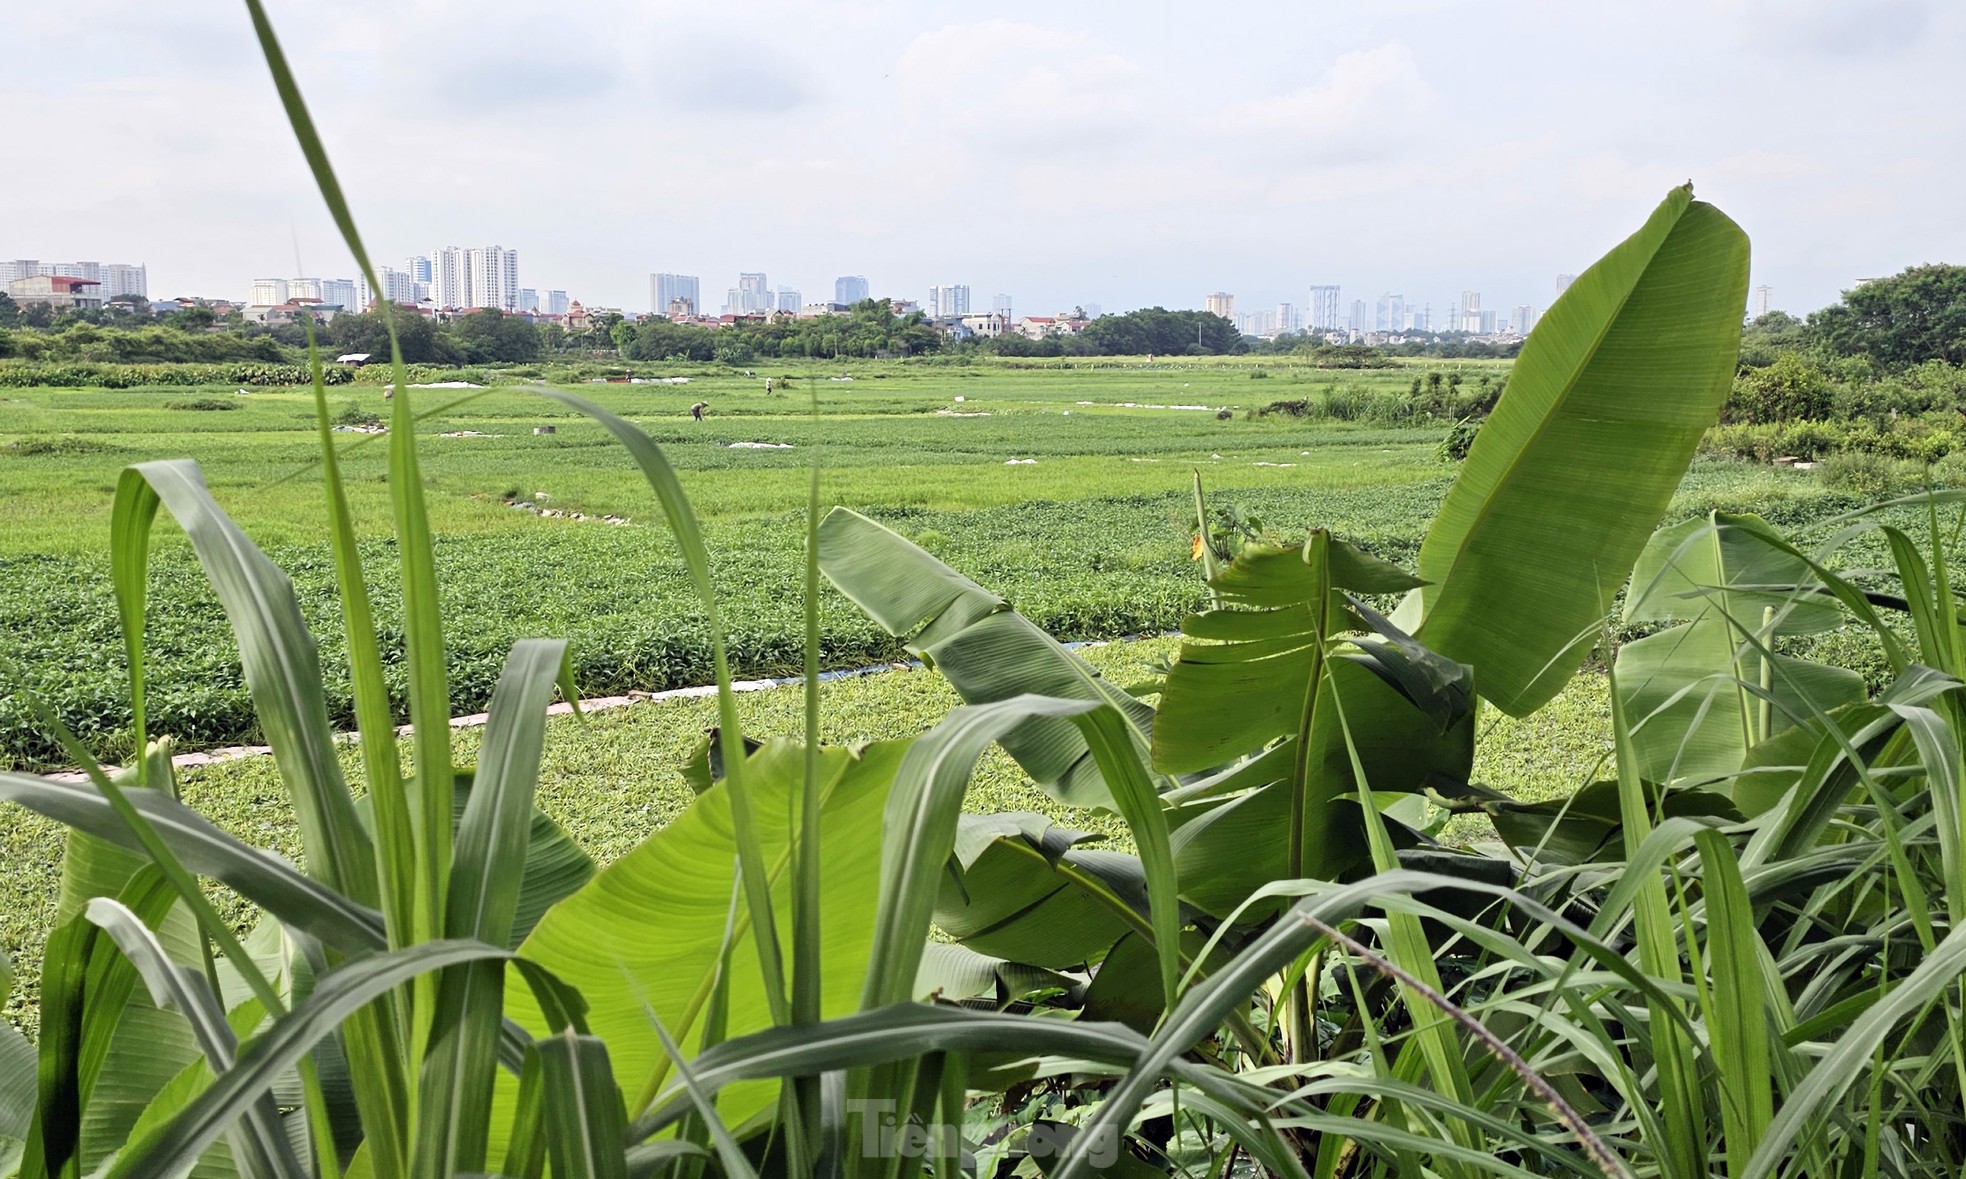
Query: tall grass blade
point(676, 509)
point(586, 1127)
point(280, 1047)
point(455, 1099)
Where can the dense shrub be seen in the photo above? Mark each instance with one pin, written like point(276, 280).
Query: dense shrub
point(203, 403)
point(1790, 389)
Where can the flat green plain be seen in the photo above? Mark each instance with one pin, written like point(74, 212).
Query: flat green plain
point(1088, 532)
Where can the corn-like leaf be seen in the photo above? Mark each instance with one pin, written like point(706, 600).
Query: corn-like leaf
point(85, 991)
point(490, 853)
point(1573, 469)
point(280, 1047)
point(261, 876)
point(586, 1127)
point(259, 1141)
point(282, 666)
point(1737, 1020)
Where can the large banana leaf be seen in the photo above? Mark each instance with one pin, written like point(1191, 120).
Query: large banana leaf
point(1265, 671)
point(1572, 471)
point(987, 651)
point(1022, 889)
point(1225, 848)
point(1690, 690)
point(650, 928)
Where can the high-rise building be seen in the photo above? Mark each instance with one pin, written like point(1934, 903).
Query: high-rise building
point(788, 300)
point(849, 289)
point(1000, 305)
point(18, 268)
point(753, 293)
point(1764, 300)
point(491, 277)
point(528, 300)
point(948, 301)
point(268, 292)
point(1358, 321)
point(1522, 319)
point(1563, 282)
point(1322, 308)
point(1220, 303)
point(1392, 313)
point(397, 287)
point(119, 278)
point(418, 268)
point(666, 289)
point(1485, 320)
point(556, 303)
point(1092, 310)
point(339, 292)
point(1470, 318)
point(304, 288)
point(450, 281)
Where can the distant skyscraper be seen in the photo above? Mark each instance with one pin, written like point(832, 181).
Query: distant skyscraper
point(556, 303)
point(1359, 322)
point(339, 292)
point(528, 300)
point(1287, 320)
point(449, 281)
point(788, 299)
point(268, 292)
point(1522, 319)
point(849, 289)
point(1092, 310)
point(491, 278)
point(753, 294)
point(1000, 305)
point(1221, 303)
point(122, 279)
point(665, 289)
point(1563, 282)
point(948, 301)
point(1470, 319)
point(1322, 309)
point(1392, 313)
point(1764, 300)
point(1486, 322)
point(418, 268)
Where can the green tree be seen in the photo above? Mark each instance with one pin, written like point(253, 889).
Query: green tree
point(488, 335)
point(9, 310)
point(1790, 389)
point(1906, 319)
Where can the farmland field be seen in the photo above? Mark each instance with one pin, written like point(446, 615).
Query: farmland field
point(1088, 533)
point(1065, 488)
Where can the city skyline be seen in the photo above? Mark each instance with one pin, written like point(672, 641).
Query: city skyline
point(1324, 154)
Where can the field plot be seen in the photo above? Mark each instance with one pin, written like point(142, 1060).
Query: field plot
point(1067, 489)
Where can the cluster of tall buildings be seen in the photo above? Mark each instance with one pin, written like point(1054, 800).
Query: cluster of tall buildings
point(1389, 314)
point(450, 278)
point(112, 279)
point(681, 295)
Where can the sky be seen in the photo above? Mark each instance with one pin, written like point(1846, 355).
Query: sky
point(1132, 153)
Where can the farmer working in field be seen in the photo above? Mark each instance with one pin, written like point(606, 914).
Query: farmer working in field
point(696, 411)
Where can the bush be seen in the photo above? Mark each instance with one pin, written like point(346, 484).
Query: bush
point(204, 403)
point(69, 445)
point(1791, 389)
point(1864, 474)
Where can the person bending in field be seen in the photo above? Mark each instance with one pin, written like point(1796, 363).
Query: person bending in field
point(696, 411)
